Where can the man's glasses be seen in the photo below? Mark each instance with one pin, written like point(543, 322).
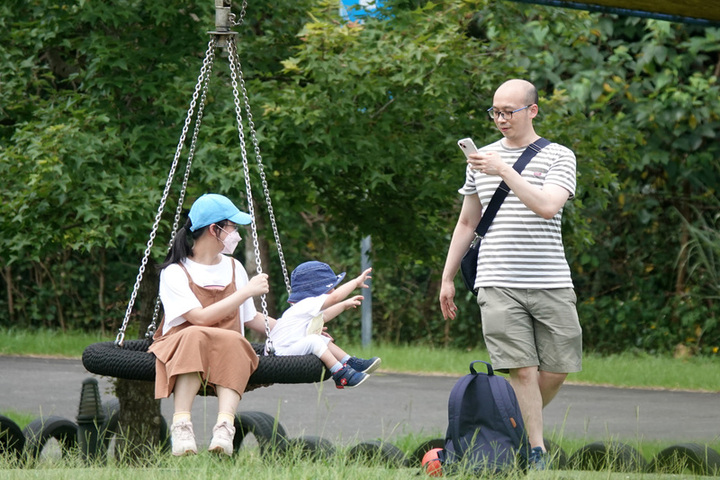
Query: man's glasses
point(495, 114)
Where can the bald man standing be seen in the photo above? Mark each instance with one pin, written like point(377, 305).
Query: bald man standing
point(524, 288)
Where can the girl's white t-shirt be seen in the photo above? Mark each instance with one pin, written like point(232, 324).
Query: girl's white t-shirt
point(178, 299)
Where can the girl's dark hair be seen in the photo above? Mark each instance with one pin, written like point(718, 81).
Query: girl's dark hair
point(182, 246)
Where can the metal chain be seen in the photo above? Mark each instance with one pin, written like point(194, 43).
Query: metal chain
point(243, 10)
point(258, 156)
point(234, 67)
point(261, 169)
point(203, 81)
point(173, 168)
point(205, 73)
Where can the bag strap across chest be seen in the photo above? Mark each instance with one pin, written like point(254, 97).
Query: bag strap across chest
point(502, 190)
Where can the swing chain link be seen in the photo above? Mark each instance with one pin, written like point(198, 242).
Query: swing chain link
point(202, 78)
point(237, 76)
point(202, 82)
point(263, 178)
point(243, 10)
point(205, 73)
point(234, 68)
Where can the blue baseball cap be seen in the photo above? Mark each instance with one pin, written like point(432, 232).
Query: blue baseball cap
point(311, 279)
point(212, 208)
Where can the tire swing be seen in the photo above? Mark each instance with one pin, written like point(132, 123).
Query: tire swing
point(130, 359)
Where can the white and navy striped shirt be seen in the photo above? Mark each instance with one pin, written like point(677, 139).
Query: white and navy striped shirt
point(521, 249)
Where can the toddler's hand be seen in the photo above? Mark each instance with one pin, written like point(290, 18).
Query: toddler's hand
point(362, 278)
point(353, 302)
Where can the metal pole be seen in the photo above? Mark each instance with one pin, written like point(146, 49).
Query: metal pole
point(366, 320)
point(222, 15)
point(223, 22)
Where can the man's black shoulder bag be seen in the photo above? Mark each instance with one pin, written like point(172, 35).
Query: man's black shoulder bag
point(468, 265)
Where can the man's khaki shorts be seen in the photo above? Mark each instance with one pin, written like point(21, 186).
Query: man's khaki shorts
point(529, 327)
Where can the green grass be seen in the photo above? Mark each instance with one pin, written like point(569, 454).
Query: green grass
point(625, 370)
point(48, 343)
point(249, 464)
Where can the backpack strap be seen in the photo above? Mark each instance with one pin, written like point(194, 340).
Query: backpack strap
point(503, 190)
point(490, 370)
point(500, 393)
point(454, 405)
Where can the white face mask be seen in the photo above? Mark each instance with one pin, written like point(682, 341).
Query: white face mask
point(230, 243)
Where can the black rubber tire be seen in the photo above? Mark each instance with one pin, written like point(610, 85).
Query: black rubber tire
point(39, 431)
point(270, 435)
point(134, 362)
point(558, 457)
point(608, 456)
point(415, 459)
point(676, 459)
point(308, 447)
point(12, 440)
point(109, 428)
point(111, 409)
point(375, 452)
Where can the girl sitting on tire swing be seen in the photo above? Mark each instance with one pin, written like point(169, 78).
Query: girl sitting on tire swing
point(315, 300)
point(207, 300)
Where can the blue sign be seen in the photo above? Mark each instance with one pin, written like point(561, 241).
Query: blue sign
point(358, 10)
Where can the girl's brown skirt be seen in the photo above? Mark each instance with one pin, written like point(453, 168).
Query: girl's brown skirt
point(222, 357)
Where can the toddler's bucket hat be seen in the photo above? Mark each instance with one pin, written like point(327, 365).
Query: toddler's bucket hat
point(311, 279)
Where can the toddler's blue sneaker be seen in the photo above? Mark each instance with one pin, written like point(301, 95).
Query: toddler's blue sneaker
point(347, 377)
point(364, 366)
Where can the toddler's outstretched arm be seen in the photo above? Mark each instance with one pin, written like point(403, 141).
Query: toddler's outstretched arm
point(338, 308)
point(341, 292)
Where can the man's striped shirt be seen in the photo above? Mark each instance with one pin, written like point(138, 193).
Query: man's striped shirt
point(521, 249)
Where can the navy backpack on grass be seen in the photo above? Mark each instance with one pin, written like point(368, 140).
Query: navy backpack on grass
point(485, 430)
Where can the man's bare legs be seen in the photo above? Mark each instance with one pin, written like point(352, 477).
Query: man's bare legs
point(534, 390)
point(550, 384)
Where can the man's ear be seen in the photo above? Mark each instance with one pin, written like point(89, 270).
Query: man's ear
point(534, 110)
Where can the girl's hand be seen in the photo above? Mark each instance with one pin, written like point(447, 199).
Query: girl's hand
point(259, 284)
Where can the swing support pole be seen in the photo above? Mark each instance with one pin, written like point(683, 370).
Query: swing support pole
point(224, 19)
point(222, 16)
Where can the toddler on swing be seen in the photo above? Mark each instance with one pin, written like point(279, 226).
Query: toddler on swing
point(315, 300)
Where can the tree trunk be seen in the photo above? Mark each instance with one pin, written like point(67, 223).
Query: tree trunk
point(140, 416)
point(140, 423)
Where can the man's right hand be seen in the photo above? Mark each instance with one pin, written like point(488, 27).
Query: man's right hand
point(447, 300)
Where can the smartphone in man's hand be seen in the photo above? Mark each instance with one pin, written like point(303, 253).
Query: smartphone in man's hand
point(467, 146)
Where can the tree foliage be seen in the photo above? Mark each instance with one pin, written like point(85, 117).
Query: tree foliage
point(357, 126)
